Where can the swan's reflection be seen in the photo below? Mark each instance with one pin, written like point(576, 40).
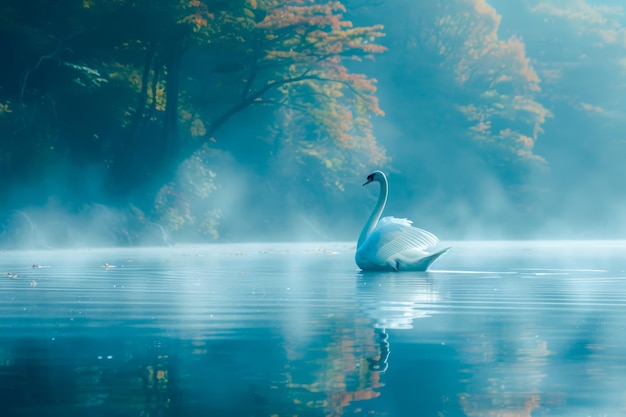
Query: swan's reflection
point(394, 301)
point(379, 363)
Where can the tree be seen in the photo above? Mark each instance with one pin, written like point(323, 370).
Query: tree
point(132, 101)
point(285, 55)
point(466, 102)
point(287, 61)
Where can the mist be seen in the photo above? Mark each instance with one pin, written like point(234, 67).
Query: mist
point(502, 120)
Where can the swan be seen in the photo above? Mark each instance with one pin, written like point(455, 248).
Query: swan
point(393, 244)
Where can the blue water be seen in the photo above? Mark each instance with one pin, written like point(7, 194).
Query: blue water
point(494, 329)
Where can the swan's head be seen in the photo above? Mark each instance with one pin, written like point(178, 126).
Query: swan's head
point(375, 176)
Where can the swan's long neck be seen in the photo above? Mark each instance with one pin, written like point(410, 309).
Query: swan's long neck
point(375, 216)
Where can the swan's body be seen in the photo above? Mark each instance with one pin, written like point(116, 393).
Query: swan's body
point(392, 244)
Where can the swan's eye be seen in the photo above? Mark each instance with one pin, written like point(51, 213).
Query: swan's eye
point(370, 177)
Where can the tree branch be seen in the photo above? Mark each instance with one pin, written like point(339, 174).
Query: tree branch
point(252, 98)
point(53, 56)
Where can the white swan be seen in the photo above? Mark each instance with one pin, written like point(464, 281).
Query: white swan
point(392, 244)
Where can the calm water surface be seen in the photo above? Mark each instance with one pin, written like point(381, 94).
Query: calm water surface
point(495, 329)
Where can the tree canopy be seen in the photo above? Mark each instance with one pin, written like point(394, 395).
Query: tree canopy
point(139, 92)
point(256, 119)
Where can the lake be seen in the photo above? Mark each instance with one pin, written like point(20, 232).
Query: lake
point(493, 329)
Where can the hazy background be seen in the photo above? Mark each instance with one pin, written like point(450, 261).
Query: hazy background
point(502, 119)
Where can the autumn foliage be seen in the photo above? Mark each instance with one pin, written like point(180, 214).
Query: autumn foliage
point(133, 89)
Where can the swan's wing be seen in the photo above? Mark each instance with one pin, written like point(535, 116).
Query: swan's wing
point(393, 235)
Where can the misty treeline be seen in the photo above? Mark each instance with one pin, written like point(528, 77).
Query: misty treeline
point(126, 103)
point(160, 121)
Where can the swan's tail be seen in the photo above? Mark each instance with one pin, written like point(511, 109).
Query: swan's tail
point(427, 261)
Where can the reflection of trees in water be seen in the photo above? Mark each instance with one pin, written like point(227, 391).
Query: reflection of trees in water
point(27, 370)
point(158, 380)
point(86, 376)
point(139, 381)
point(505, 371)
point(505, 406)
point(532, 361)
point(505, 365)
point(143, 384)
point(337, 371)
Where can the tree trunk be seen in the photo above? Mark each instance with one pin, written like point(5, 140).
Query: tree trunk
point(142, 101)
point(170, 123)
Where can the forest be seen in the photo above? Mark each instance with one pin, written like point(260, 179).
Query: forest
point(153, 122)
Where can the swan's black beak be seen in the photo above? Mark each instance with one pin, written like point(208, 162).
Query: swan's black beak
point(367, 182)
